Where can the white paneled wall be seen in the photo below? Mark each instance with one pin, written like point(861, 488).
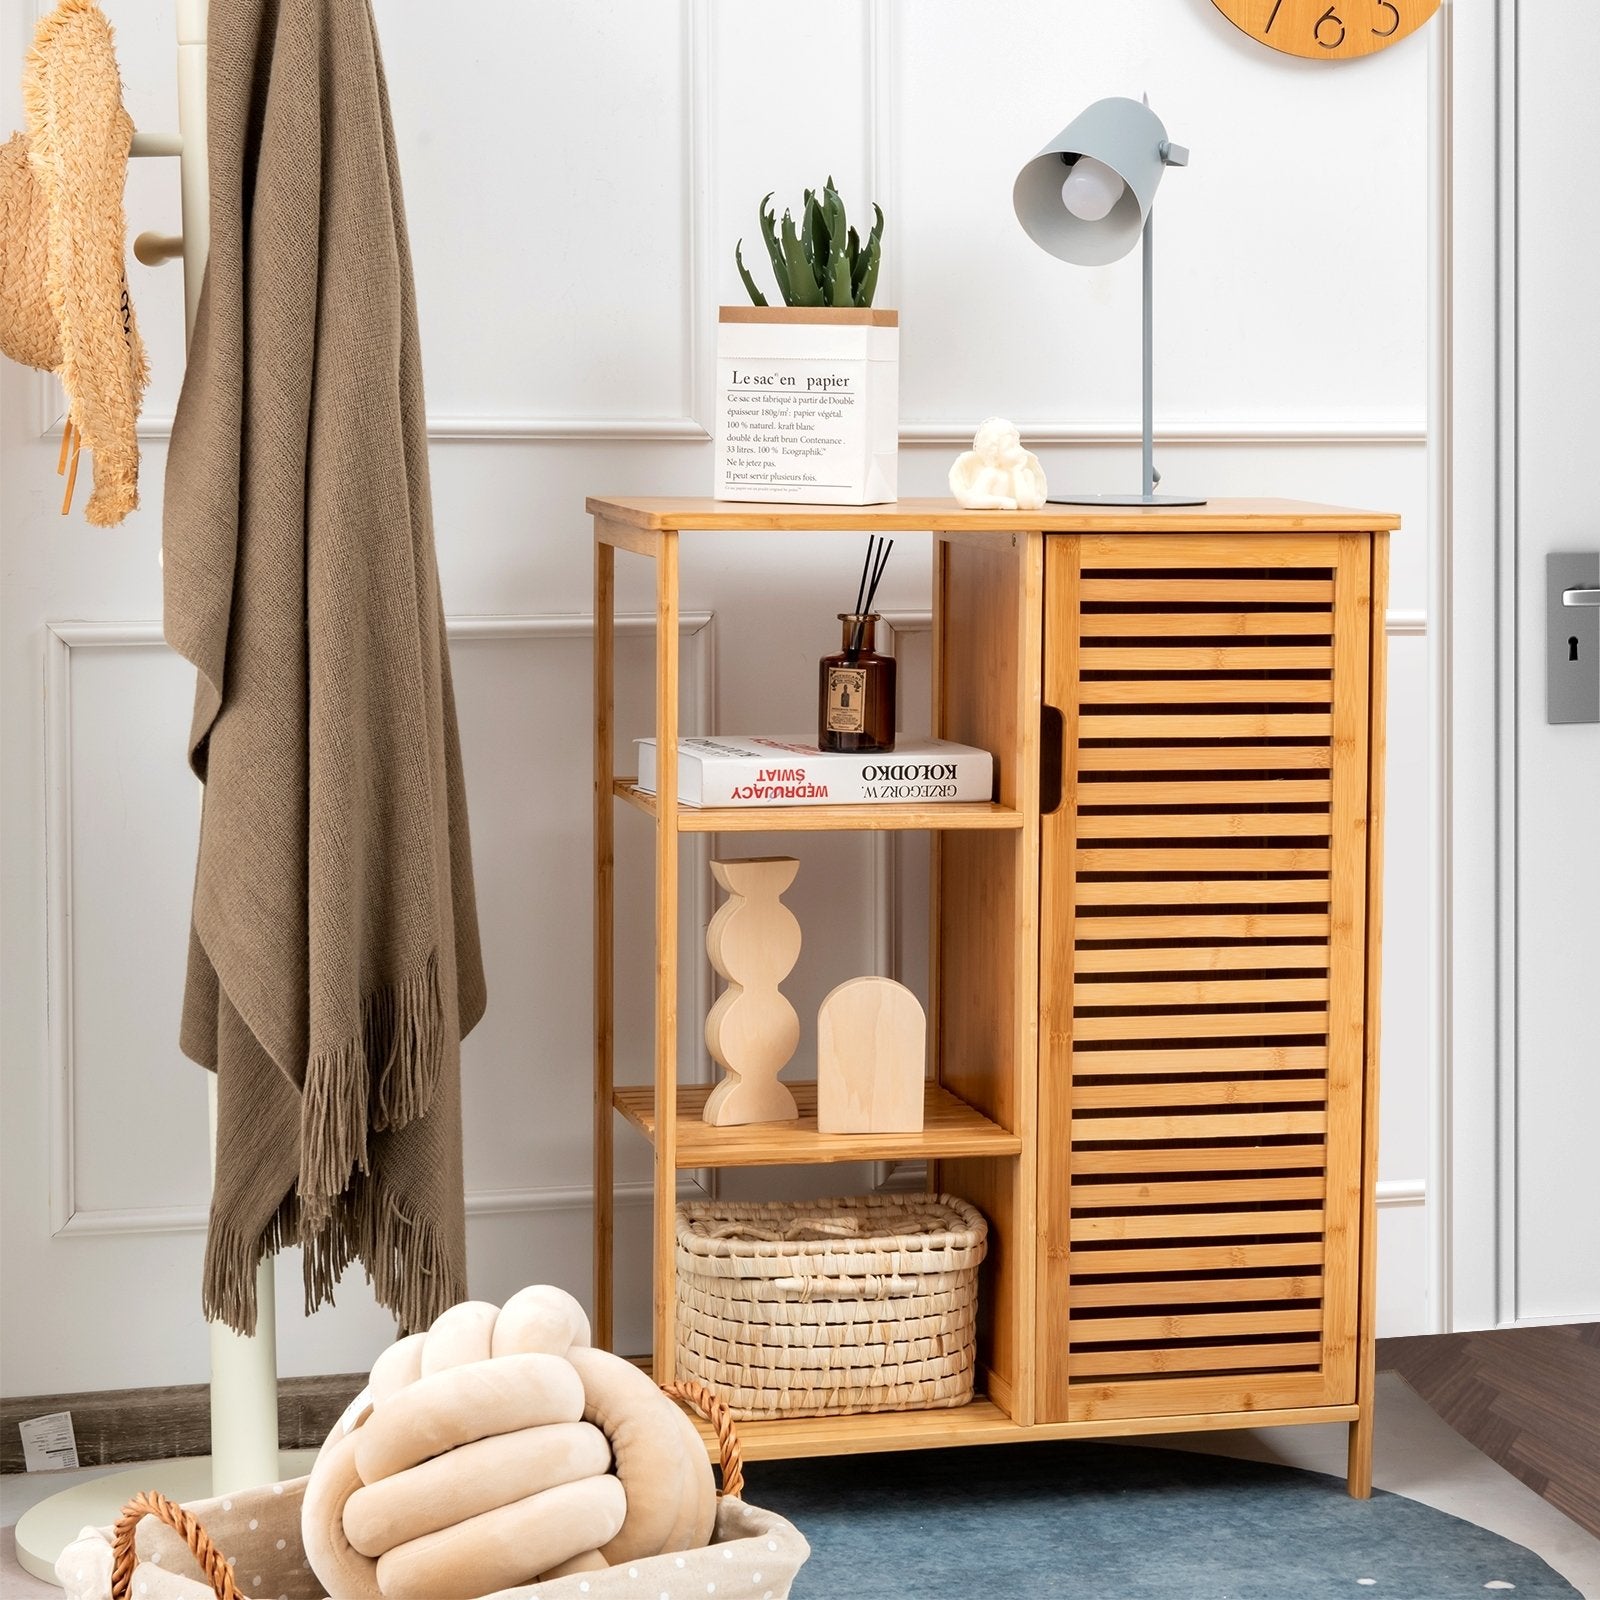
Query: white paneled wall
point(576, 174)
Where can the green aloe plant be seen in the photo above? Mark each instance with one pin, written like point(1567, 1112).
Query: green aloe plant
point(824, 262)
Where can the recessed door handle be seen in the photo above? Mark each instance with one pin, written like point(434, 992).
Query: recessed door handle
point(1580, 597)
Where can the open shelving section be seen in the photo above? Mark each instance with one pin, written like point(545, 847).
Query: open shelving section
point(978, 1137)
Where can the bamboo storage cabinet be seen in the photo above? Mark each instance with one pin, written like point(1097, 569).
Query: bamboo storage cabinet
point(1154, 955)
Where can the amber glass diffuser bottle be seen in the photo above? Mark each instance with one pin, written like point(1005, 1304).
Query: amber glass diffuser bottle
point(855, 697)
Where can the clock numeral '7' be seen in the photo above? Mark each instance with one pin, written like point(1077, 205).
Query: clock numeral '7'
point(1273, 18)
point(1330, 15)
point(1387, 5)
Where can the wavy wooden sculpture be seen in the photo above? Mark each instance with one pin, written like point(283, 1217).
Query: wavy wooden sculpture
point(752, 1030)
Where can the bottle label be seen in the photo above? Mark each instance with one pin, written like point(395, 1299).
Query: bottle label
point(847, 699)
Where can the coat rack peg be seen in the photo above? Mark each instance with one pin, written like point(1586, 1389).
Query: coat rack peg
point(156, 144)
point(151, 249)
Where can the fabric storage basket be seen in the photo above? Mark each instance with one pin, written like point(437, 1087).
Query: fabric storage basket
point(811, 1308)
point(247, 1547)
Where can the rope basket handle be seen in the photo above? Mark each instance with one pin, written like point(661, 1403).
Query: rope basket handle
point(148, 1503)
point(711, 1406)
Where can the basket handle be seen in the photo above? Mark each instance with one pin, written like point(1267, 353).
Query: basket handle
point(148, 1503)
point(711, 1406)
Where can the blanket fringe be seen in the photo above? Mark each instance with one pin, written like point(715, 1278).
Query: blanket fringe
point(410, 1270)
point(406, 1262)
point(405, 1023)
point(228, 1285)
point(402, 1027)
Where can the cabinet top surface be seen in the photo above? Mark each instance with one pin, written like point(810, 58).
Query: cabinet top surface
point(941, 515)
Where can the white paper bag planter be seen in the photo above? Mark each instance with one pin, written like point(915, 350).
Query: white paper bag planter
point(808, 404)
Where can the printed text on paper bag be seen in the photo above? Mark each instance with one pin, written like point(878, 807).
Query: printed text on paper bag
point(781, 427)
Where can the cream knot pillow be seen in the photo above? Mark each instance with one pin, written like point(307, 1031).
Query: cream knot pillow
point(496, 1449)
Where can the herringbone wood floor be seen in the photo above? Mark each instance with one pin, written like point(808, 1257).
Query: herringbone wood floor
point(1528, 1398)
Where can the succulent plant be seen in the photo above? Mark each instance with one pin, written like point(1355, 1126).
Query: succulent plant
point(824, 263)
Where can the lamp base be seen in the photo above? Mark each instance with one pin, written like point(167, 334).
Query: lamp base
point(1126, 500)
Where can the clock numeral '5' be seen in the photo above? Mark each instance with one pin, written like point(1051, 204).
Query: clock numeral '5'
point(1394, 10)
point(1330, 15)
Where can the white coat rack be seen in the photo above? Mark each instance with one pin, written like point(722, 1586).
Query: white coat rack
point(244, 1375)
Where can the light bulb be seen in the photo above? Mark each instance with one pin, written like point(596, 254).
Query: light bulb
point(1091, 190)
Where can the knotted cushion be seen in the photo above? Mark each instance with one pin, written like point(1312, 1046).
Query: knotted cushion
point(498, 1448)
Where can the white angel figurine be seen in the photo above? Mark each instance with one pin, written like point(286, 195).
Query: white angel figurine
point(997, 474)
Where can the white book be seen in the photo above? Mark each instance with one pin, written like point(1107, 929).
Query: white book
point(780, 770)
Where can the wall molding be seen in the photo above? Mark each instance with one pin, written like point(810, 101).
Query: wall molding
point(1252, 432)
point(68, 1218)
point(1242, 433)
point(1402, 1192)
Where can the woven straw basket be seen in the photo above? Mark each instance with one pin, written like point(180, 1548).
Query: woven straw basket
point(810, 1308)
point(249, 1545)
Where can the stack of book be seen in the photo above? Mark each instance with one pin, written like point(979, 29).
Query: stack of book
point(777, 770)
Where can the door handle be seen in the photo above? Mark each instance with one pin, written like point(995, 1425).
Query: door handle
point(1580, 597)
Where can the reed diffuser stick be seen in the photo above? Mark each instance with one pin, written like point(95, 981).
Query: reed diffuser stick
point(867, 592)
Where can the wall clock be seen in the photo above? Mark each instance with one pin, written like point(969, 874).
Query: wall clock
point(1327, 30)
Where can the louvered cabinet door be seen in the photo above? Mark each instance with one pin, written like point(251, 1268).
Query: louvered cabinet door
point(1203, 973)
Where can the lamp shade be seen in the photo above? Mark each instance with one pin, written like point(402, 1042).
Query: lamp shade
point(1122, 134)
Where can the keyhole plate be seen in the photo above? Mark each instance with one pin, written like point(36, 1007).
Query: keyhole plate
point(1572, 635)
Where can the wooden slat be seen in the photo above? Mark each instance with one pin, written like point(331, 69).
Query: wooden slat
point(1199, 992)
point(1205, 758)
point(1200, 791)
point(1200, 858)
point(1219, 1125)
point(1253, 1091)
point(1195, 1358)
point(1199, 692)
point(1220, 1158)
point(1204, 1025)
point(1214, 958)
point(1307, 554)
point(1302, 1255)
point(1194, 1225)
point(1194, 1325)
point(1207, 658)
point(1249, 1058)
point(1205, 624)
point(1197, 1291)
point(1163, 590)
point(1102, 1401)
point(1166, 1192)
point(1207, 892)
point(1217, 725)
point(1200, 925)
point(1206, 825)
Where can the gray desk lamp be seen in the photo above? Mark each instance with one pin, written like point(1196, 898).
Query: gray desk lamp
point(1085, 198)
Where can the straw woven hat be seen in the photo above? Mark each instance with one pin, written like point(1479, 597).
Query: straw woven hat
point(64, 303)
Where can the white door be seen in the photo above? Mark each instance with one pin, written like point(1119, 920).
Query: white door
point(1556, 1104)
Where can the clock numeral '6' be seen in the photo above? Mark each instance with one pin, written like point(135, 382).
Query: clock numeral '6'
point(1394, 10)
point(1330, 15)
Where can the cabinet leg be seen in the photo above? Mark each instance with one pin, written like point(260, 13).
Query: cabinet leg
point(1358, 1474)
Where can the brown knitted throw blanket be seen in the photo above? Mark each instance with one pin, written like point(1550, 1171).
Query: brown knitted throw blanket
point(334, 963)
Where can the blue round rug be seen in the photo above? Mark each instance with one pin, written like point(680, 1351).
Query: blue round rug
point(1092, 1521)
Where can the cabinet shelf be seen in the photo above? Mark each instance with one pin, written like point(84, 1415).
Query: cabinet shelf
point(943, 815)
point(950, 1128)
